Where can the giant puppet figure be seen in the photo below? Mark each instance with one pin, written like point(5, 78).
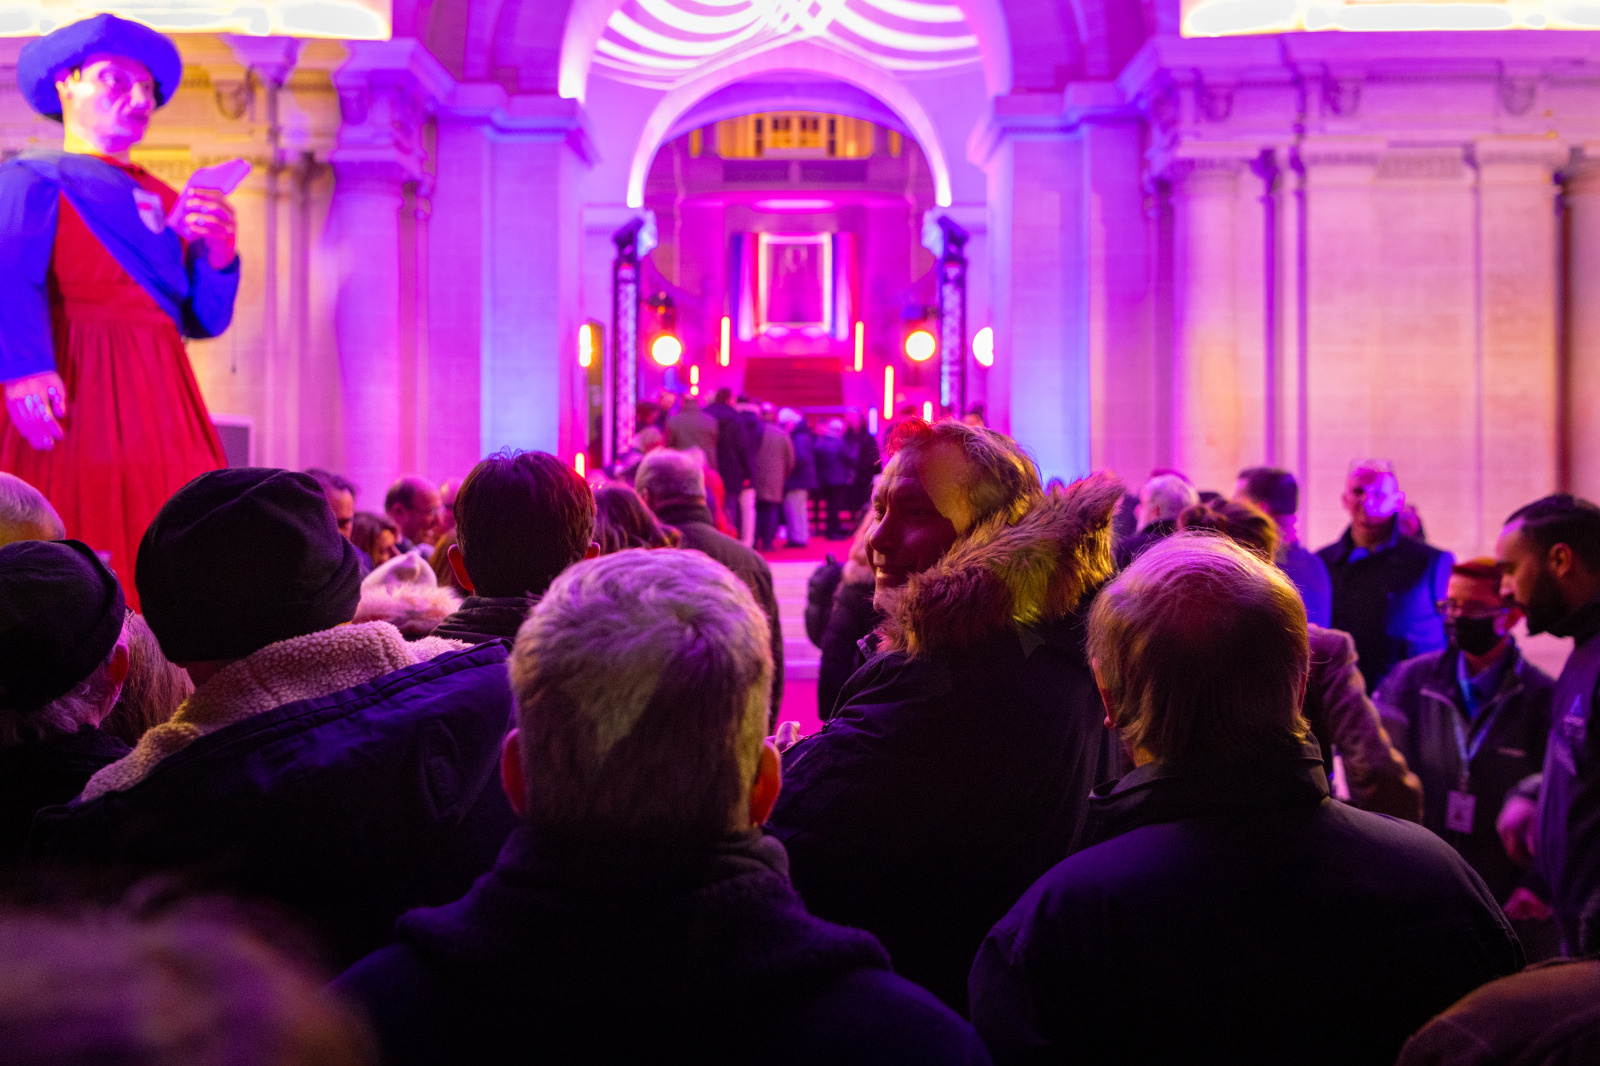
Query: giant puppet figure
point(104, 269)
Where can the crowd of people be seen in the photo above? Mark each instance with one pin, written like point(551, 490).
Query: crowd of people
point(496, 774)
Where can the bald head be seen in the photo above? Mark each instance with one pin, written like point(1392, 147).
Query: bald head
point(412, 504)
point(665, 475)
point(25, 514)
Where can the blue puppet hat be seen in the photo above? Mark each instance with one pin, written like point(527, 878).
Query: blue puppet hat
point(42, 58)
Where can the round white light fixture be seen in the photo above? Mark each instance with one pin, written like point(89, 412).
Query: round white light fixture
point(920, 346)
point(983, 346)
point(666, 349)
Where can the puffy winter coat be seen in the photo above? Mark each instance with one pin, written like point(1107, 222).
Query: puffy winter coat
point(957, 766)
point(334, 773)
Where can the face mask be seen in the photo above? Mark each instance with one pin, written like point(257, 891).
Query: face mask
point(1475, 636)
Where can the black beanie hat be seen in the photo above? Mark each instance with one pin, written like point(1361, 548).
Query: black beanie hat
point(239, 559)
point(61, 612)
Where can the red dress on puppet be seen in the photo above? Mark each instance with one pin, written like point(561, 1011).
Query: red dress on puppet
point(136, 427)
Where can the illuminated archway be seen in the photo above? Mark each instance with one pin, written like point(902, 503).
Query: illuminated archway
point(807, 57)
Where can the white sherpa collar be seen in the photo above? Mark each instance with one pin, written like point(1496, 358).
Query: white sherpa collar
point(302, 668)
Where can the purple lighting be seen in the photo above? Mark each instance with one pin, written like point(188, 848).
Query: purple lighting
point(793, 205)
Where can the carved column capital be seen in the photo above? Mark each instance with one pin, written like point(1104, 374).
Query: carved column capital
point(387, 90)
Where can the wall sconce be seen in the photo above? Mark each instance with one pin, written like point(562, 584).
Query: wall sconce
point(983, 346)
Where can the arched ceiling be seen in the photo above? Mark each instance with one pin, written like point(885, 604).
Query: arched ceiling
point(658, 42)
point(552, 45)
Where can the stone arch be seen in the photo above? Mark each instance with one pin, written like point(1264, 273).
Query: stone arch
point(807, 57)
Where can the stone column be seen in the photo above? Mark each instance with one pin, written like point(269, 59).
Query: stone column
point(1038, 388)
point(270, 60)
point(1340, 325)
point(1581, 386)
point(386, 90)
point(1519, 400)
point(366, 215)
point(1208, 416)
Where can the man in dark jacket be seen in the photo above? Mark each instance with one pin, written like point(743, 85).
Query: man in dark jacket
point(957, 765)
point(66, 656)
point(693, 428)
point(1472, 721)
point(672, 485)
point(1277, 492)
point(802, 481)
point(733, 455)
point(521, 519)
point(836, 474)
point(1385, 584)
point(1549, 556)
point(639, 914)
point(1231, 912)
point(1162, 499)
point(335, 768)
point(869, 462)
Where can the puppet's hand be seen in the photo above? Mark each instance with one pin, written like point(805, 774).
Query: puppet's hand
point(36, 405)
point(205, 215)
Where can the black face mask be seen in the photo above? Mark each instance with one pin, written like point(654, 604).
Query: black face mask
point(1475, 636)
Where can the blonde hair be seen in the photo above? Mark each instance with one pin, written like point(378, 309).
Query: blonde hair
point(25, 514)
point(1201, 648)
point(642, 682)
point(153, 690)
point(1006, 482)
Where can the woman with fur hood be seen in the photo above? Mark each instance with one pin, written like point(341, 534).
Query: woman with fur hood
point(957, 767)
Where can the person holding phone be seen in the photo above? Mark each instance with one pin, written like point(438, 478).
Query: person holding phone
point(104, 269)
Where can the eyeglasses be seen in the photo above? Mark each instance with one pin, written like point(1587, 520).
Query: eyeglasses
point(1462, 609)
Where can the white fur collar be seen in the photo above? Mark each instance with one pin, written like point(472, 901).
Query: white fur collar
point(302, 668)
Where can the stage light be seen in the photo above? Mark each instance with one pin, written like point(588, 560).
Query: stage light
point(983, 346)
point(861, 344)
point(888, 392)
point(920, 345)
point(927, 410)
point(586, 344)
point(727, 338)
point(694, 374)
point(666, 349)
point(872, 421)
point(579, 461)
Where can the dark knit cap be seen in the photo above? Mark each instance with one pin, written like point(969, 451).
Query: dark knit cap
point(61, 612)
point(239, 559)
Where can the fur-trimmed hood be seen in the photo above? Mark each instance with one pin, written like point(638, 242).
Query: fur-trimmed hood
point(1001, 576)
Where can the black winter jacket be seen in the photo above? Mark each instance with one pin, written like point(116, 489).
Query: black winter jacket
point(42, 773)
point(350, 809)
point(1237, 915)
point(582, 952)
point(958, 764)
point(1421, 699)
point(1385, 600)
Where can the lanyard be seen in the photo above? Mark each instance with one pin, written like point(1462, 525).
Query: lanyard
point(1469, 749)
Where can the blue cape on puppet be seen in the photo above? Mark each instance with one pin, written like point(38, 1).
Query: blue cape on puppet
point(197, 298)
